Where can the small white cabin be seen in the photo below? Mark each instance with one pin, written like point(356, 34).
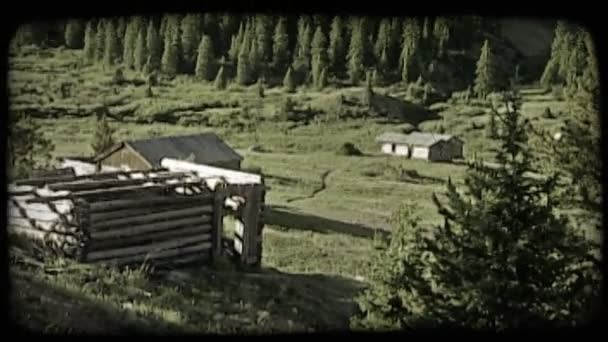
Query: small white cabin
point(426, 146)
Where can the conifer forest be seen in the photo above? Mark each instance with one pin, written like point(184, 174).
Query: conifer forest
point(419, 172)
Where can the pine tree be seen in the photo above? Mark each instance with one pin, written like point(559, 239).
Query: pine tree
point(441, 32)
point(263, 33)
point(551, 73)
point(153, 47)
point(319, 55)
point(304, 39)
point(322, 83)
point(220, 79)
point(100, 42)
point(337, 48)
point(89, 50)
point(170, 59)
point(280, 48)
point(255, 62)
point(211, 27)
point(190, 40)
point(112, 49)
point(104, 136)
point(205, 67)
point(243, 69)
point(140, 53)
point(234, 48)
point(121, 27)
point(356, 53)
point(409, 60)
point(383, 39)
point(501, 260)
point(129, 43)
point(74, 34)
point(229, 25)
point(289, 82)
point(485, 81)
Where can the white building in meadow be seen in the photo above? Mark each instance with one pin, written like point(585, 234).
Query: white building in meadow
point(418, 145)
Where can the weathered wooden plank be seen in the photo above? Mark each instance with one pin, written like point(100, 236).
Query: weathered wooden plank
point(61, 206)
point(98, 245)
point(148, 218)
point(151, 249)
point(110, 183)
point(111, 215)
point(38, 215)
point(112, 205)
point(217, 224)
point(91, 194)
point(149, 228)
point(105, 175)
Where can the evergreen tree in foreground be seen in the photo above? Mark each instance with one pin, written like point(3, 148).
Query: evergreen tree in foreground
point(26, 145)
point(502, 259)
point(104, 136)
point(485, 80)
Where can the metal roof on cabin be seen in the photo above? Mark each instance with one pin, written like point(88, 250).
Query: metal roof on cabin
point(206, 148)
point(414, 138)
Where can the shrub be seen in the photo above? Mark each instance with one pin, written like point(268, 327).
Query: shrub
point(349, 149)
point(547, 114)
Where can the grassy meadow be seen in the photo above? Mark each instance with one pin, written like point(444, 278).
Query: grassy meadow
point(327, 212)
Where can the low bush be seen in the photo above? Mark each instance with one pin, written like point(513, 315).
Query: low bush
point(349, 149)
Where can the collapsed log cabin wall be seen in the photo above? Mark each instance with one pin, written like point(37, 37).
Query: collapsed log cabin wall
point(162, 217)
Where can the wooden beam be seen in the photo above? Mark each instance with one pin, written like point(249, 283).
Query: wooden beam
point(150, 228)
point(204, 207)
point(110, 183)
point(149, 218)
point(105, 175)
point(149, 201)
point(100, 245)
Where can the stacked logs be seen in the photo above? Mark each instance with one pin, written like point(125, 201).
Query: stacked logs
point(120, 218)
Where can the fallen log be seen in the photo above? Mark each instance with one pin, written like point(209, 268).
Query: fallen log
point(99, 245)
point(149, 228)
point(105, 206)
point(111, 215)
point(151, 249)
point(166, 257)
point(149, 218)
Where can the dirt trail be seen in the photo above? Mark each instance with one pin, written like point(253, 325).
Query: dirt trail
point(315, 192)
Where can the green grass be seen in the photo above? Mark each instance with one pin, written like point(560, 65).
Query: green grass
point(326, 211)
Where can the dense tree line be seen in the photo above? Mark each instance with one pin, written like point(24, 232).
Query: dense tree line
point(265, 46)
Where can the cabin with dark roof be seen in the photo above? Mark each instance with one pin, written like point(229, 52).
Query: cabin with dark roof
point(205, 148)
point(418, 145)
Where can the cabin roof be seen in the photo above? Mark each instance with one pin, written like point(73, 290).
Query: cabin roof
point(415, 138)
point(205, 148)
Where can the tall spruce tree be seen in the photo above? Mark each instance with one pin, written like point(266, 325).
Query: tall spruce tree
point(441, 32)
point(280, 48)
point(153, 47)
point(112, 49)
point(205, 68)
point(74, 34)
point(170, 61)
point(243, 69)
point(356, 53)
point(89, 50)
point(27, 146)
point(383, 39)
point(100, 39)
point(485, 80)
point(319, 55)
point(304, 38)
point(140, 52)
point(129, 42)
point(337, 46)
point(255, 62)
point(229, 25)
point(502, 259)
point(234, 48)
point(409, 59)
point(190, 40)
point(263, 34)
